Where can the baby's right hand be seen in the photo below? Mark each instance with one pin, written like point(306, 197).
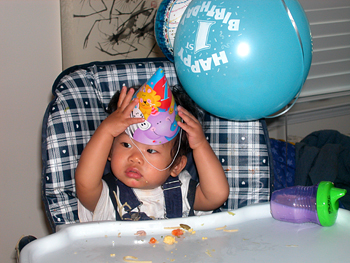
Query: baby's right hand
point(120, 119)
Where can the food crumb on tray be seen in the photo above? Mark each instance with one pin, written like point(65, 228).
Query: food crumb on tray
point(135, 259)
point(171, 227)
point(186, 227)
point(140, 233)
point(153, 241)
point(230, 230)
point(208, 253)
point(221, 228)
point(169, 240)
point(177, 232)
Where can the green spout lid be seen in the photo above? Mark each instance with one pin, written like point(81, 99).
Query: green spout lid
point(327, 202)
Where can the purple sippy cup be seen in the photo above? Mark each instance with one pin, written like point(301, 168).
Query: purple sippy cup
point(300, 204)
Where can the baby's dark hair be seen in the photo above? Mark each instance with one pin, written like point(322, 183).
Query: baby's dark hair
point(181, 99)
point(184, 100)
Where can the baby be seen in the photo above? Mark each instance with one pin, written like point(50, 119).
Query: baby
point(148, 154)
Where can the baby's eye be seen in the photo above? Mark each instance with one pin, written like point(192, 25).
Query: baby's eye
point(126, 145)
point(151, 151)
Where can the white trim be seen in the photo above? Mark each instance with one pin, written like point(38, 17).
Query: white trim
point(338, 92)
point(323, 96)
point(305, 115)
point(319, 113)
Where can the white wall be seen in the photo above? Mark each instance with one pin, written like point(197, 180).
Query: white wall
point(30, 60)
point(305, 117)
point(297, 131)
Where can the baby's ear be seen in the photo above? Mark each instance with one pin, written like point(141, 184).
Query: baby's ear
point(109, 158)
point(180, 164)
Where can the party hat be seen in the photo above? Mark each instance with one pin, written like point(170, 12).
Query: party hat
point(157, 105)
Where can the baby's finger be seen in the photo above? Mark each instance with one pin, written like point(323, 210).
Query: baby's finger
point(132, 121)
point(191, 130)
point(122, 96)
point(131, 106)
point(186, 115)
point(127, 99)
point(184, 126)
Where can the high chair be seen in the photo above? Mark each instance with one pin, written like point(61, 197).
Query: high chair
point(81, 95)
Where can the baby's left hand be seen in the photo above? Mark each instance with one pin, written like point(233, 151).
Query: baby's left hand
point(213, 188)
point(192, 127)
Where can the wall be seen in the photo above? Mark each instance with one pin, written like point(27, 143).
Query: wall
point(306, 116)
point(30, 55)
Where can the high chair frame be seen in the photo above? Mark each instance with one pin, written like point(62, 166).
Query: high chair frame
point(81, 95)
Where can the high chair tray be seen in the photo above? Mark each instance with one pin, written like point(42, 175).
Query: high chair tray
point(247, 234)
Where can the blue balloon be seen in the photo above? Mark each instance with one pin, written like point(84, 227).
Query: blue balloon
point(168, 16)
point(161, 31)
point(243, 60)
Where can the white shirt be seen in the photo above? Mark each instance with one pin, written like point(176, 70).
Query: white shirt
point(152, 199)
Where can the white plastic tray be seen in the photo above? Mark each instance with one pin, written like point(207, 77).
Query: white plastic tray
point(259, 238)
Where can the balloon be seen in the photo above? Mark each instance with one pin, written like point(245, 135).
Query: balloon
point(167, 19)
point(243, 60)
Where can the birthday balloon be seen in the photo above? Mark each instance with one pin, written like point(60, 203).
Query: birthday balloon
point(168, 17)
point(243, 60)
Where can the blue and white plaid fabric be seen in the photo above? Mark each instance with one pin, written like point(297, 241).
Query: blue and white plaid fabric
point(243, 149)
point(81, 95)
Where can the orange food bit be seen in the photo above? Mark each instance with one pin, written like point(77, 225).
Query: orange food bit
point(153, 240)
point(177, 232)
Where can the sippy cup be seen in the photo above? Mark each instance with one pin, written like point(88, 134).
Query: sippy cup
point(300, 204)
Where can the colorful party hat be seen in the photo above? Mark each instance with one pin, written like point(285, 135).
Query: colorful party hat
point(157, 105)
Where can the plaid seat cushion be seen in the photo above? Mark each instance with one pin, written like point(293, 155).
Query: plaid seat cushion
point(81, 95)
point(244, 151)
point(284, 163)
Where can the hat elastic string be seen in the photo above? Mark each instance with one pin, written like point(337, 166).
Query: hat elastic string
point(160, 170)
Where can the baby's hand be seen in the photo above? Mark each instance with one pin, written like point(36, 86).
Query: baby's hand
point(192, 127)
point(120, 119)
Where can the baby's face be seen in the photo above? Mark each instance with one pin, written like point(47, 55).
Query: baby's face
point(130, 166)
